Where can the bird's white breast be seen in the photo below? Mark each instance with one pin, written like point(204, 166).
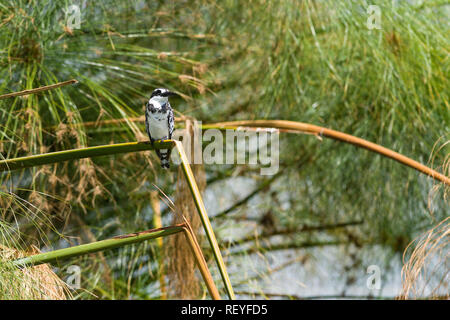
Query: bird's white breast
point(158, 125)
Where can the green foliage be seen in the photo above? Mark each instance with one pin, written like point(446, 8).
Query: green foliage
point(309, 61)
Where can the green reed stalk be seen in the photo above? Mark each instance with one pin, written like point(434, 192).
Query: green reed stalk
point(119, 241)
point(59, 156)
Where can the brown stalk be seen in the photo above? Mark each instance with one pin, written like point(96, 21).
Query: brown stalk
point(336, 135)
point(201, 262)
point(300, 127)
point(36, 90)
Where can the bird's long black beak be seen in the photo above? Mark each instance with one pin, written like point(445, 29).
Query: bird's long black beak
point(169, 94)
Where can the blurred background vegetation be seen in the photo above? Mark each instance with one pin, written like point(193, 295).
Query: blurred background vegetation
point(310, 231)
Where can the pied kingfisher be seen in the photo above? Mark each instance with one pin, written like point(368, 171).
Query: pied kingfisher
point(159, 121)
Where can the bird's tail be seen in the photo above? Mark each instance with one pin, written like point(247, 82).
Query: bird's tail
point(164, 156)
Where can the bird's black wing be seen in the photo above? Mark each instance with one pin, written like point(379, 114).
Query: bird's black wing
point(170, 121)
point(148, 106)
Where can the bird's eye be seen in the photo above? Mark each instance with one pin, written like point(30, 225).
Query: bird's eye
point(156, 93)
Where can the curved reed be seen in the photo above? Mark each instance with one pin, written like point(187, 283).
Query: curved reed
point(300, 127)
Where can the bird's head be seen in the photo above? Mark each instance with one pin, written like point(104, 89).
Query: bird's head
point(161, 95)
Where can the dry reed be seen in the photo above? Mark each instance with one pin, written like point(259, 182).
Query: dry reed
point(37, 283)
point(426, 273)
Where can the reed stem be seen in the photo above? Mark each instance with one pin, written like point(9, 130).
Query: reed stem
point(37, 90)
point(204, 218)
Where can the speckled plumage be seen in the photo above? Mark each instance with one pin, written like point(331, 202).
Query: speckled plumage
point(159, 122)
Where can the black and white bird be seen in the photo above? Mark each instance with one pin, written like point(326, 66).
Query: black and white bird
point(159, 121)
